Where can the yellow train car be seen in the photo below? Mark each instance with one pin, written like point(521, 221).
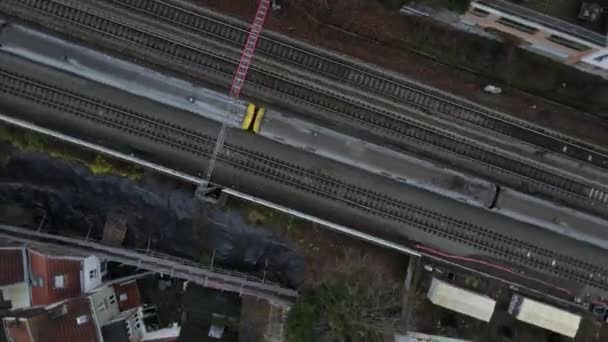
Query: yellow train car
point(248, 117)
point(257, 121)
point(253, 118)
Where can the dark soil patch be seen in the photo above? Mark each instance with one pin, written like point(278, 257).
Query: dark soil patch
point(324, 251)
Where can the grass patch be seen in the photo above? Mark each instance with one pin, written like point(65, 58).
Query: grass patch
point(29, 141)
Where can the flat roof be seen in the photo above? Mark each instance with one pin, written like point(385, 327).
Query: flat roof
point(544, 315)
point(460, 300)
point(598, 58)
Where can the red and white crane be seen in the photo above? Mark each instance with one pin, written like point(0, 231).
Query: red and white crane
point(239, 80)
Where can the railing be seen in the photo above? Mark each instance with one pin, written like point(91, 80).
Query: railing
point(182, 261)
point(210, 267)
point(217, 278)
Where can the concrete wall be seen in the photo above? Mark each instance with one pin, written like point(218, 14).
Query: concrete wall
point(18, 294)
point(105, 304)
point(91, 273)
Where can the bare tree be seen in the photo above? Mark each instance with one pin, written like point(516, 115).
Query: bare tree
point(357, 303)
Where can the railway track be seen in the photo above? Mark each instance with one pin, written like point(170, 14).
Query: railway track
point(373, 80)
point(125, 121)
point(533, 178)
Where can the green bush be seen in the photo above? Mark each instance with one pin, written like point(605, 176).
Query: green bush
point(302, 319)
point(30, 141)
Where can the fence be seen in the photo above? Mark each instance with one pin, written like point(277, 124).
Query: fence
point(208, 276)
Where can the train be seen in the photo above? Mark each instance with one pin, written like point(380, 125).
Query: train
point(411, 170)
point(289, 129)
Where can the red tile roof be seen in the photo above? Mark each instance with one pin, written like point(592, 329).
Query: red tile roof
point(128, 295)
point(17, 331)
point(47, 267)
point(67, 328)
point(11, 266)
point(56, 325)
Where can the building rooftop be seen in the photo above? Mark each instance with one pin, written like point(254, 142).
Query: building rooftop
point(128, 295)
point(207, 311)
point(461, 300)
point(12, 265)
point(115, 332)
point(598, 59)
point(68, 321)
point(54, 278)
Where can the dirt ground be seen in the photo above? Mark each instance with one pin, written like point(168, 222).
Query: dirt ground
point(254, 318)
point(348, 30)
point(324, 251)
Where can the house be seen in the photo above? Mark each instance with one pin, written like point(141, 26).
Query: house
point(210, 315)
point(123, 317)
point(46, 295)
point(68, 320)
point(117, 309)
point(39, 278)
point(128, 295)
point(133, 326)
point(14, 277)
point(55, 277)
point(125, 327)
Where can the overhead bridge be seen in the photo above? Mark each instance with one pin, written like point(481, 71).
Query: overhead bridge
point(218, 279)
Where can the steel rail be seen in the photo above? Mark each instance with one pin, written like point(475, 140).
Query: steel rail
point(189, 140)
point(584, 196)
point(409, 92)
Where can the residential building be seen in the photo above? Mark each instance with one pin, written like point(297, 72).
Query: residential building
point(48, 296)
point(14, 277)
point(124, 318)
point(56, 277)
point(68, 320)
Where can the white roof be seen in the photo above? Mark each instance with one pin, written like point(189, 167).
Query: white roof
point(545, 316)
point(598, 58)
point(461, 300)
point(419, 337)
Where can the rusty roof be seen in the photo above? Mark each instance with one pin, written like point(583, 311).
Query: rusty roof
point(69, 321)
point(54, 278)
point(128, 295)
point(11, 265)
